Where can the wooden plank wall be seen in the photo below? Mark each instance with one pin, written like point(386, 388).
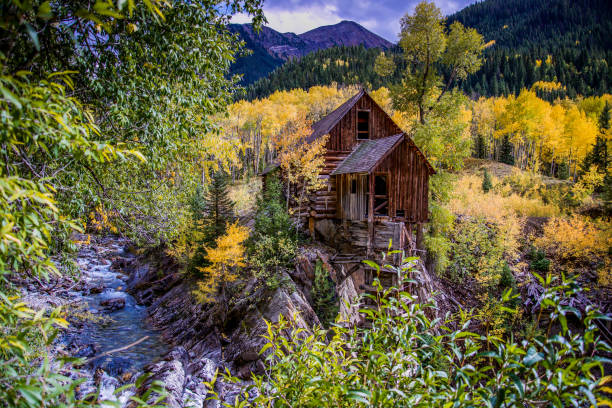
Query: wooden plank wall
point(408, 173)
point(343, 136)
point(384, 232)
point(408, 182)
point(352, 206)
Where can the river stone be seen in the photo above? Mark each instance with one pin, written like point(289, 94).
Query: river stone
point(172, 375)
point(113, 304)
point(95, 289)
point(203, 369)
point(114, 366)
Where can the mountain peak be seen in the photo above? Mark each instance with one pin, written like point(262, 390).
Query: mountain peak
point(346, 32)
point(271, 48)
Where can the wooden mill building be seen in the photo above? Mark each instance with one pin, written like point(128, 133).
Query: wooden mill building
point(377, 178)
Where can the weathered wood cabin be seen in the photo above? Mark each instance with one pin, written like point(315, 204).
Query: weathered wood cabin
point(377, 178)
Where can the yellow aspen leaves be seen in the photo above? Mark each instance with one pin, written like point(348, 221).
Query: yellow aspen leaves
point(225, 259)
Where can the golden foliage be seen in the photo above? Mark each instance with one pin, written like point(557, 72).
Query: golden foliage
point(242, 194)
point(495, 317)
point(547, 86)
point(188, 242)
point(224, 260)
point(100, 220)
point(587, 184)
point(301, 161)
point(469, 199)
point(576, 239)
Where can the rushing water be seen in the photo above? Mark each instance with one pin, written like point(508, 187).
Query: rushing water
point(126, 325)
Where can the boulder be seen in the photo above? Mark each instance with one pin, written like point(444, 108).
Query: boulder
point(114, 366)
point(113, 304)
point(171, 374)
point(95, 289)
point(327, 229)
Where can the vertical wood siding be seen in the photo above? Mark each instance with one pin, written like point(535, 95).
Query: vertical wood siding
point(408, 172)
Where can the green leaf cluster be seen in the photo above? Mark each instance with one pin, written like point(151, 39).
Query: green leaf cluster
point(408, 359)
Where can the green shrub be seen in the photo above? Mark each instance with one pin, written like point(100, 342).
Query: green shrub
point(506, 279)
point(324, 297)
point(273, 243)
point(563, 171)
point(539, 262)
point(477, 251)
point(405, 359)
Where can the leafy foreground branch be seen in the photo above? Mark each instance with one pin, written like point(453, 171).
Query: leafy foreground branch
point(408, 360)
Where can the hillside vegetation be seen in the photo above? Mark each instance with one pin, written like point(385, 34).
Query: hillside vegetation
point(130, 195)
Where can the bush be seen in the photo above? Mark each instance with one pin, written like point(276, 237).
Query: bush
point(576, 239)
point(506, 279)
point(273, 243)
point(476, 252)
point(563, 171)
point(539, 262)
point(408, 360)
point(324, 297)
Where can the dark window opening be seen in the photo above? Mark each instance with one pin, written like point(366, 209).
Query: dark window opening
point(400, 213)
point(380, 185)
point(363, 125)
point(353, 186)
point(381, 197)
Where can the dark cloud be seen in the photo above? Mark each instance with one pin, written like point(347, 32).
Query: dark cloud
point(381, 17)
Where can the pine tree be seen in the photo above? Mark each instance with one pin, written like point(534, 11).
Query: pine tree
point(598, 156)
point(604, 118)
point(218, 208)
point(324, 296)
point(563, 171)
point(480, 147)
point(505, 154)
point(487, 184)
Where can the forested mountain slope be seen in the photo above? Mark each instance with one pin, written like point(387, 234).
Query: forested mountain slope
point(517, 24)
point(270, 48)
point(552, 40)
point(569, 42)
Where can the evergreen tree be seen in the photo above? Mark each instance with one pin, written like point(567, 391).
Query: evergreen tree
point(218, 208)
point(563, 171)
point(604, 118)
point(273, 243)
point(598, 156)
point(505, 154)
point(324, 297)
point(487, 184)
point(480, 147)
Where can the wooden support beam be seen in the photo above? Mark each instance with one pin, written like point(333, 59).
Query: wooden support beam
point(311, 227)
point(419, 236)
point(370, 242)
point(381, 205)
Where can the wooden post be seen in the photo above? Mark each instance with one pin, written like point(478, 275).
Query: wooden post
point(371, 216)
point(419, 236)
point(311, 227)
point(401, 242)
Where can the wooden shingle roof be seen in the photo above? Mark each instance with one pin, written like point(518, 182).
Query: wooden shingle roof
point(368, 155)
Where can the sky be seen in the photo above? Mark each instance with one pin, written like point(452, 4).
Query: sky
point(379, 16)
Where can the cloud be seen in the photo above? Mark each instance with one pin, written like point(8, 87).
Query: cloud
point(379, 16)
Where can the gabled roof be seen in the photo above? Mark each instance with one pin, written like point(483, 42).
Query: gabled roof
point(325, 125)
point(368, 155)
